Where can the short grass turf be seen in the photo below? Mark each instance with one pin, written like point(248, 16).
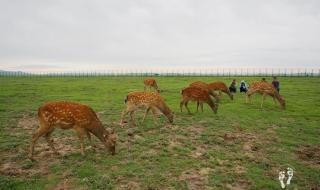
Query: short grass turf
point(241, 147)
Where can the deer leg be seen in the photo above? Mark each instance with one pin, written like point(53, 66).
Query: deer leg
point(145, 88)
point(181, 105)
point(198, 106)
point(201, 104)
point(274, 101)
point(40, 132)
point(154, 113)
point(90, 140)
point(124, 113)
point(145, 115)
point(248, 98)
point(263, 98)
point(133, 124)
point(50, 141)
point(186, 105)
point(80, 132)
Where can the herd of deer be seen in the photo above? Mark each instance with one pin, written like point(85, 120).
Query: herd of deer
point(82, 118)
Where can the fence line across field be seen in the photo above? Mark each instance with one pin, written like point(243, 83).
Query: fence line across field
point(283, 72)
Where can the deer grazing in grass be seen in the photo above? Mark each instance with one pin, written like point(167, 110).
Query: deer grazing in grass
point(150, 82)
point(265, 89)
point(205, 86)
point(69, 115)
point(149, 100)
point(221, 87)
point(199, 95)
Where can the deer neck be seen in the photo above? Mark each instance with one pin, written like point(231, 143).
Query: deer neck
point(164, 108)
point(98, 131)
point(210, 103)
point(277, 96)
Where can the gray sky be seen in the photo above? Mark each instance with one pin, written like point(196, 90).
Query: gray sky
point(60, 35)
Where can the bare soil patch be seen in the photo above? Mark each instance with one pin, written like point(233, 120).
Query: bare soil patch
point(310, 154)
point(196, 179)
point(28, 124)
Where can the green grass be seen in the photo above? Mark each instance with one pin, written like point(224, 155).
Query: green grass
point(160, 156)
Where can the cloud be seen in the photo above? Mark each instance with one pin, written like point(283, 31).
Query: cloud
point(181, 33)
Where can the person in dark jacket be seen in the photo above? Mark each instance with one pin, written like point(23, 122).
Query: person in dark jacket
point(276, 84)
point(233, 87)
point(243, 86)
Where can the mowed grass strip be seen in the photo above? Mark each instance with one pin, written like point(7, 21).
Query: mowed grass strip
point(242, 146)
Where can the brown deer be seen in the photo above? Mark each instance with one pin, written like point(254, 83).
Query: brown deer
point(265, 89)
point(69, 115)
point(149, 100)
point(221, 87)
point(151, 83)
point(205, 86)
point(199, 95)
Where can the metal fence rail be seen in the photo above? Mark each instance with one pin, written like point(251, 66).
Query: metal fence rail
point(284, 72)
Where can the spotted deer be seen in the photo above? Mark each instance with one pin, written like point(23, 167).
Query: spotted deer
point(221, 87)
point(205, 86)
point(69, 115)
point(149, 100)
point(198, 95)
point(150, 82)
point(265, 89)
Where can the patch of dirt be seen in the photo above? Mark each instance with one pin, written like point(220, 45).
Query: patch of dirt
point(315, 187)
point(65, 184)
point(310, 154)
point(28, 124)
point(239, 170)
point(200, 150)
point(129, 185)
point(196, 179)
point(195, 129)
point(240, 184)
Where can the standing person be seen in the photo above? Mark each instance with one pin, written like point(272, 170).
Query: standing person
point(276, 84)
point(233, 86)
point(243, 86)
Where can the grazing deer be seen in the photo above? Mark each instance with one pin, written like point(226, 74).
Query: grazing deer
point(265, 89)
point(68, 115)
point(221, 87)
point(205, 86)
point(151, 83)
point(199, 95)
point(149, 100)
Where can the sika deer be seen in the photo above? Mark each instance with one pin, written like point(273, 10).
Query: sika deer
point(205, 86)
point(150, 100)
point(221, 87)
point(151, 83)
point(68, 115)
point(265, 89)
point(199, 95)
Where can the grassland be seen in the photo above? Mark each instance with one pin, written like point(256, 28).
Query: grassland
point(242, 147)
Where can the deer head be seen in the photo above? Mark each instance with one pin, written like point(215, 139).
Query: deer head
point(282, 102)
point(110, 138)
point(214, 107)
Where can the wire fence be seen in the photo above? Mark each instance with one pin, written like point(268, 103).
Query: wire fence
point(283, 72)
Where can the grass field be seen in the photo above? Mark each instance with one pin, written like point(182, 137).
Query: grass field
point(242, 147)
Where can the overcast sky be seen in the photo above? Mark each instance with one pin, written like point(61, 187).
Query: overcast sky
point(89, 35)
